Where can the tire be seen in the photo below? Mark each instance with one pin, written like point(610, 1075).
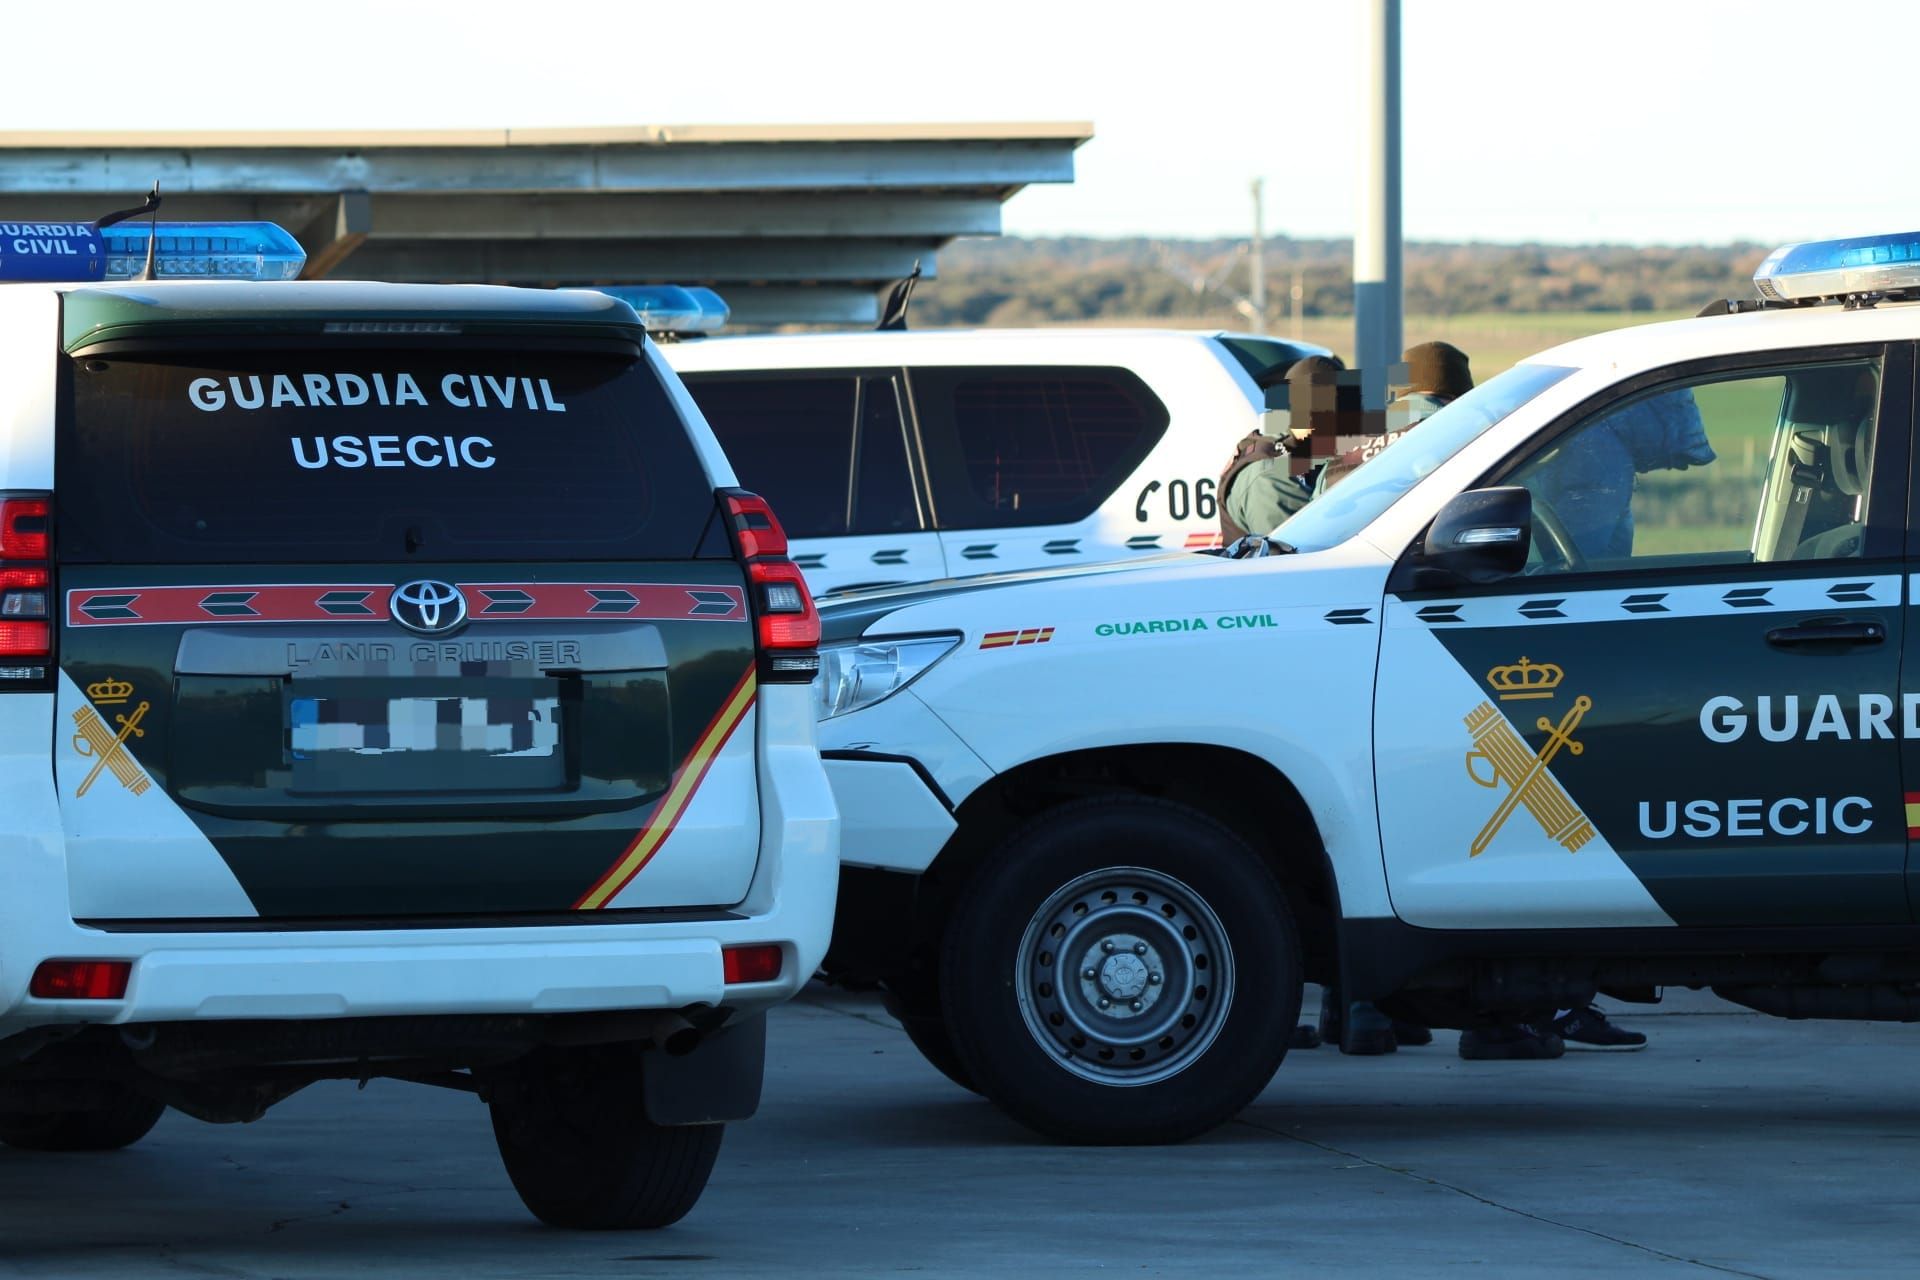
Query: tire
point(1146, 896)
point(119, 1124)
point(930, 1036)
point(574, 1136)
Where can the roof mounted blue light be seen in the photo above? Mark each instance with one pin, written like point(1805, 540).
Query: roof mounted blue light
point(82, 251)
point(672, 308)
point(1840, 268)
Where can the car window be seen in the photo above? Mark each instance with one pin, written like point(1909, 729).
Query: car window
point(828, 451)
point(790, 440)
point(1373, 487)
point(883, 494)
point(1763, 466)
point(1029, 446)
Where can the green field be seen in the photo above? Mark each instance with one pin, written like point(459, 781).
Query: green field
point(1493, 342)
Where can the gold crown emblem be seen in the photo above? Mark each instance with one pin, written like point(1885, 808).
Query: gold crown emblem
point(1525, 679)
point(110, 692)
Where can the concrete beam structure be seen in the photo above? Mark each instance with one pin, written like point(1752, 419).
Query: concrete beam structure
point(793, 224)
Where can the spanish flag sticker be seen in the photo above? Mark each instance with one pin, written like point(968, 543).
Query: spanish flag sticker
point(1913, 815)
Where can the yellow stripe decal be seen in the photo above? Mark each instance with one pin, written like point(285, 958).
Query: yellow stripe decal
point(686, 780)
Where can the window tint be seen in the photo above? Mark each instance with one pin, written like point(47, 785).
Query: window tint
point(828, 452)
point(316, 456)
point(883, 499)
point(1761, 467)
point(790, 441)
point(1031, 446)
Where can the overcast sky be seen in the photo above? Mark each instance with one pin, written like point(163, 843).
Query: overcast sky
point(1641, 121)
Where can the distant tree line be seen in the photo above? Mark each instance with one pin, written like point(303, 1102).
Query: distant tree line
point(1010, 281)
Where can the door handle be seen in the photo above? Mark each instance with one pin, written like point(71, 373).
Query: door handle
point(1823, 633)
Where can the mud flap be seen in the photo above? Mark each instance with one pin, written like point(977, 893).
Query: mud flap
point(718, 1081)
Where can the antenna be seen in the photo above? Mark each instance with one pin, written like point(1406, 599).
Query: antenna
point(149, 205)
point(153, 231)
point(894, 315)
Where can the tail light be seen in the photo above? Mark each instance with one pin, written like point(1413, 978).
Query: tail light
point(786, 623)
point(758, 962)
point(80, 980)
point(26, 591)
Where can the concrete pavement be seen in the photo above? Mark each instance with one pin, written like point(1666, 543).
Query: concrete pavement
point(1736, 1144)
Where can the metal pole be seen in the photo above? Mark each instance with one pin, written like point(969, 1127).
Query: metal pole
point(1377, 289)
point(1257, 295)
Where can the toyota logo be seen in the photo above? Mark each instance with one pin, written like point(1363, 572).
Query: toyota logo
point(428, 606)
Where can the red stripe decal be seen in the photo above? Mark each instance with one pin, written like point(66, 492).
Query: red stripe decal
point(230, 603)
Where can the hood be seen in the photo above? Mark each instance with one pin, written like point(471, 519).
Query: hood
point(848, 615)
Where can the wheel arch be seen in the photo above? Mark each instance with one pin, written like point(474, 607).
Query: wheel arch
point(1248, 794)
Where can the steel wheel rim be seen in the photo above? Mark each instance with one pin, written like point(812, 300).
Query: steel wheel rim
point(1147, 946)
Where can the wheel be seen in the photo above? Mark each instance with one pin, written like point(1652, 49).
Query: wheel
point(928, 1031)
point(1122, 971)
point(574, 1136)
point(121, 1123)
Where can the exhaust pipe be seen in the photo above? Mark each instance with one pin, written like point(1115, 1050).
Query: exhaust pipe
point(676, 1036)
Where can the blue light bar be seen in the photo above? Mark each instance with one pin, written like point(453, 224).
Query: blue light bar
point(672, 308)
point(1839, 268)
point(81, 252)
point(204, 250)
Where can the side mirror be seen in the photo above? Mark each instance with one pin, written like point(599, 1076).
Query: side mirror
point(1482, 535)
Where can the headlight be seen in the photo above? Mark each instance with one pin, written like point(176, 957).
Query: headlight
point(862, 672)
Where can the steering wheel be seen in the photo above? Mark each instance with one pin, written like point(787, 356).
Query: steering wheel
point(1559, 552)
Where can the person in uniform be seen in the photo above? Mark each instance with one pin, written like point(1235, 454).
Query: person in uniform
point(1269, 477)
point(1589, 482)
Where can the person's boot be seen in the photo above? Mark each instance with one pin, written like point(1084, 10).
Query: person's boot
point(1367, 1031)
point(1305, 1036)
point(1332, 1015)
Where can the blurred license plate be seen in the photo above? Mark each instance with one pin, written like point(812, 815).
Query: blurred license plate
point(425, 743)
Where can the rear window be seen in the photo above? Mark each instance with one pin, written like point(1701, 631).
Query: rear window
point(446, 454)
point(1028, 446)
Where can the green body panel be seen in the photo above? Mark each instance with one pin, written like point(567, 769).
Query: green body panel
point(219, 747)
point(1642, 743)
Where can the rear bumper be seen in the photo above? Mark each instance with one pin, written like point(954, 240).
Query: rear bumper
point(398, 974)
point(182, 974)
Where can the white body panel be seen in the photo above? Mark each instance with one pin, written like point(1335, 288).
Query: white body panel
point(896, 823)
point(178, 871)
point(1089, 687)
point(863, 560)
point(29, 332)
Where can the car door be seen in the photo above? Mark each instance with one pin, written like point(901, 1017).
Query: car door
point(830, 450)
point(1685, 712)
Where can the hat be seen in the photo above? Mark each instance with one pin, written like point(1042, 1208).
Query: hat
point(1315, 369)
point(1438, 368)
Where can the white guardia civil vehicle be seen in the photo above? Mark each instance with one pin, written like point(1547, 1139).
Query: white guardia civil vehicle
point(393, 683)
point(901, 457)
point(1599, 680)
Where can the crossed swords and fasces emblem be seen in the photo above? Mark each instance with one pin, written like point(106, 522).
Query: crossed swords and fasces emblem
point(109, 749)
point(1509, 760)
